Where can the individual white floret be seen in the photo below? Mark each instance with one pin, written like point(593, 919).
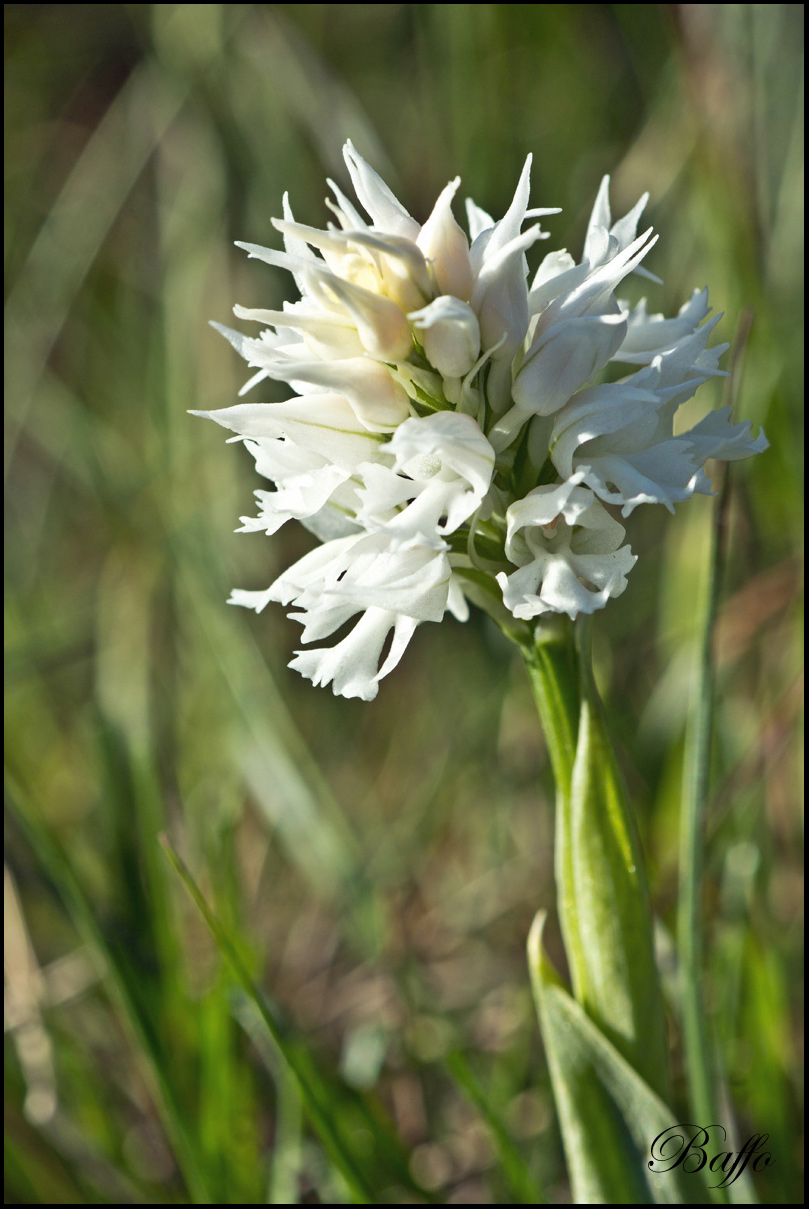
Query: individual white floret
point(568, 551)
point(442, 469)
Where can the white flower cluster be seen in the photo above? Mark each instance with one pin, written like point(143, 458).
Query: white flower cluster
point(447, 439)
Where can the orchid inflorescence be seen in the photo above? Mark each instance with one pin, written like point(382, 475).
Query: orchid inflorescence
point(448, 440)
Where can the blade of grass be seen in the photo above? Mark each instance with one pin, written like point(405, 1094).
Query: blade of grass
point(300, 805)
point(54, 861)
point(700, 1052)
point(78, 224)
point(283, 1182)
point(315, 1094)
point(699, 1066)
point(523, 1186)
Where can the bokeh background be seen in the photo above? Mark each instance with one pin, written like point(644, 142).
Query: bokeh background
point(377, 865)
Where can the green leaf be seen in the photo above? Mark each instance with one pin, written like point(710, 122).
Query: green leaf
point(614, 973)
point(608, 1114)
point(604, 906)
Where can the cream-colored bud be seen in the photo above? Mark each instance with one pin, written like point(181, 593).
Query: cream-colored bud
point(379, 401)
point(381, 324)
point(450, 334)
point(401, 266)
point(446, 247)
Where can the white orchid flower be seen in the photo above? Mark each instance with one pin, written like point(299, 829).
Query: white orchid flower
point(386, 212)
point(621, 436)
point(392, 588)
point(436, 391)
point(305, 481)
point(559, 362)
point(442, 471)
point(568, 551)
point(647, 335)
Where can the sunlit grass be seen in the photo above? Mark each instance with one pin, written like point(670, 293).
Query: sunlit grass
point(377, 866)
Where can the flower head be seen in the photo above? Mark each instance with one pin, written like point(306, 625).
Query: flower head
point(448, 422)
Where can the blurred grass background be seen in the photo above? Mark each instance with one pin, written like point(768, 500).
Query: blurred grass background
point(376, 866)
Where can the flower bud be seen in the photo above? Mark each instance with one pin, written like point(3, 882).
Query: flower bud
point(400, 265)
point(379, 402)
point(450, 334)
point(446, 247)
point(381, 325)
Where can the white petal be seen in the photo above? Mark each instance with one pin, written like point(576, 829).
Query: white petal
point(418, 507)
point(400, 265)
point(300, 496)
point(605, 238)
point(598, 412)
point(386, 211)
point(553, 583)
point(278, 458)
point(457, 603)
point(446, 248)
point(382, 493)
point(321, 566)
point(414, 582)
point(686, 359)
point(477, 219)
point(333, 520)
point(379, 402)
point(571, 561)
point(662, 474)
point(557, 274)
point(250, 600)
point(352, 665)
point(296, 247)
point(500, 301)
point(563, 358)
point(716, 437)
point(510, 225)
point(324, 423)
point(436, 509)
point(648, 335)
point(626, 228)
point(348, 215)
point(382, 326)
point(542, 506)
point(600, 221)
point(594, 296)
point(325, 333)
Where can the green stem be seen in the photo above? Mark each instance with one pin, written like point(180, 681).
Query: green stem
point(553, 668)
